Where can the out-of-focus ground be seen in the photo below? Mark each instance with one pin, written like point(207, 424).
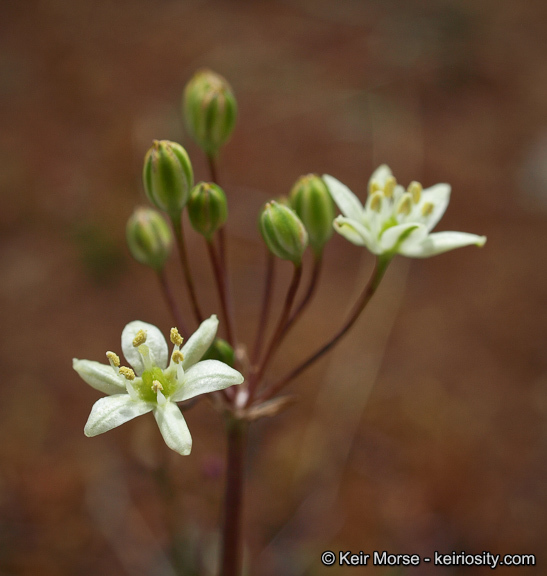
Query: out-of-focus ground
point(427, 429)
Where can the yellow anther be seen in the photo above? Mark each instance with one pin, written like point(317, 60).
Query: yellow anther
point(114, 358)
point(156, 385)
point(376, 201)
point(415, 190)
point(427, 208)
point(176, 338)
point(127, 373)
point(374, 186)
point(389, 186)
point(405, 204)
point(140, 338)
point(177, 356)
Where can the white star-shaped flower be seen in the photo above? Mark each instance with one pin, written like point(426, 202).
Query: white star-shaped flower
point(156, 382)
point(394, 220)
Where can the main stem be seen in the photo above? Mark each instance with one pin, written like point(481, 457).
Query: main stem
point(232, 545)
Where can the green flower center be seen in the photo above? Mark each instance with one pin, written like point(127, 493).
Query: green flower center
point(147, 389)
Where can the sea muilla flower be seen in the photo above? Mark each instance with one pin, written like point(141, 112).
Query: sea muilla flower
point(394, 220)
point(156, 382)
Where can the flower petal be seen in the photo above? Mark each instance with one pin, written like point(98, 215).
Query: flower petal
point(345, 199)
point(199, 342)
point(441, 242)
point(173, 428)
point(206, 376)
point(154, 340)
point(396, 236)
point(380, 175)
point(99, 376)
point(355, 232)
point(439, 197)
point(112, 411)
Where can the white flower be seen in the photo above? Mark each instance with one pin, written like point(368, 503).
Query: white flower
point(156, 382)
point(395, 220)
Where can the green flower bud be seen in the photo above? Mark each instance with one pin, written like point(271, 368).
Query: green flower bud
point(220, 350)
point(283, 232)
point(167, 176)
point(149, 237)
point(207, 208)
point(210, 110)
point(311, 200)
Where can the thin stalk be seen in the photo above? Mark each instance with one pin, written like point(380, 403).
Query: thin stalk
point(276, 338)
point(219, 278)
point(380, 267)
point(265, 307)
point(171, 304)
point(231, 554)
point(179, 235)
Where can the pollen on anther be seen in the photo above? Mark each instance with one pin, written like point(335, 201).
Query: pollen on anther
point(156, 385)
point(427, 208)
point(140, 338)
point(176, 338)
point(374, 186)
point(114, 358)
point(405, 205)
point(177, 356)
point(376, 202)
point(389, 186)
point(127, 373)
point(415, 190)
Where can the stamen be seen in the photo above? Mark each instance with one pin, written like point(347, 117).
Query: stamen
point(427, 208)
point(376, 201)
point(176, 338)
point(374, 186)
point(389, 186)
point(405, 205)
point(156, 385)
point(113, 358)
point(140, 338)
point(127, 373)
point(415, 190)
point(177, 356)
point(145, 353)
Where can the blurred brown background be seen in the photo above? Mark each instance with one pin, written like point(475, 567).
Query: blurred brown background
point(426, 429)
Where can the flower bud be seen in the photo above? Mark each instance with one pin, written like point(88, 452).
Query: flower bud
point(210, 110)
point(220, 350)
point(283, 232)
point(168, 176)
point(207, 208)
point(311, 200)
point(149, 237)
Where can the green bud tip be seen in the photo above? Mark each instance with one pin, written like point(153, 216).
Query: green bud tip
point(220, 350)
point(168, 176)
point(311, 200)
point(283, 232)
point(207, 208)
point(149, 237)
point(210, 110)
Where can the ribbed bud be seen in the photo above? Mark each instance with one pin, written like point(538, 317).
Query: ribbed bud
point(311, 200)
point(283, 232)
point(149, 237)
point(168, 176)
point(220, 350)
point(207, 208)
point(210, 110)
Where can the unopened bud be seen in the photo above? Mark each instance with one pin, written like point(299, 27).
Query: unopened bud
point(220, 350)
point(283, 232)
point(168, 176)
point(207, 208)
point(149, 237)
point(311, 200)
point(210, 110)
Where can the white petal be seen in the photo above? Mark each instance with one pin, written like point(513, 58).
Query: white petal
point(199, 342)
point(112, 411)
point(396, 236)
point(204, 377)
point(345, 199)
point(439, 196)
point(380, 175)
point(173, 428)
point(355, 232)
point(154, 340)
point(441, 242)
point(99, 376)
